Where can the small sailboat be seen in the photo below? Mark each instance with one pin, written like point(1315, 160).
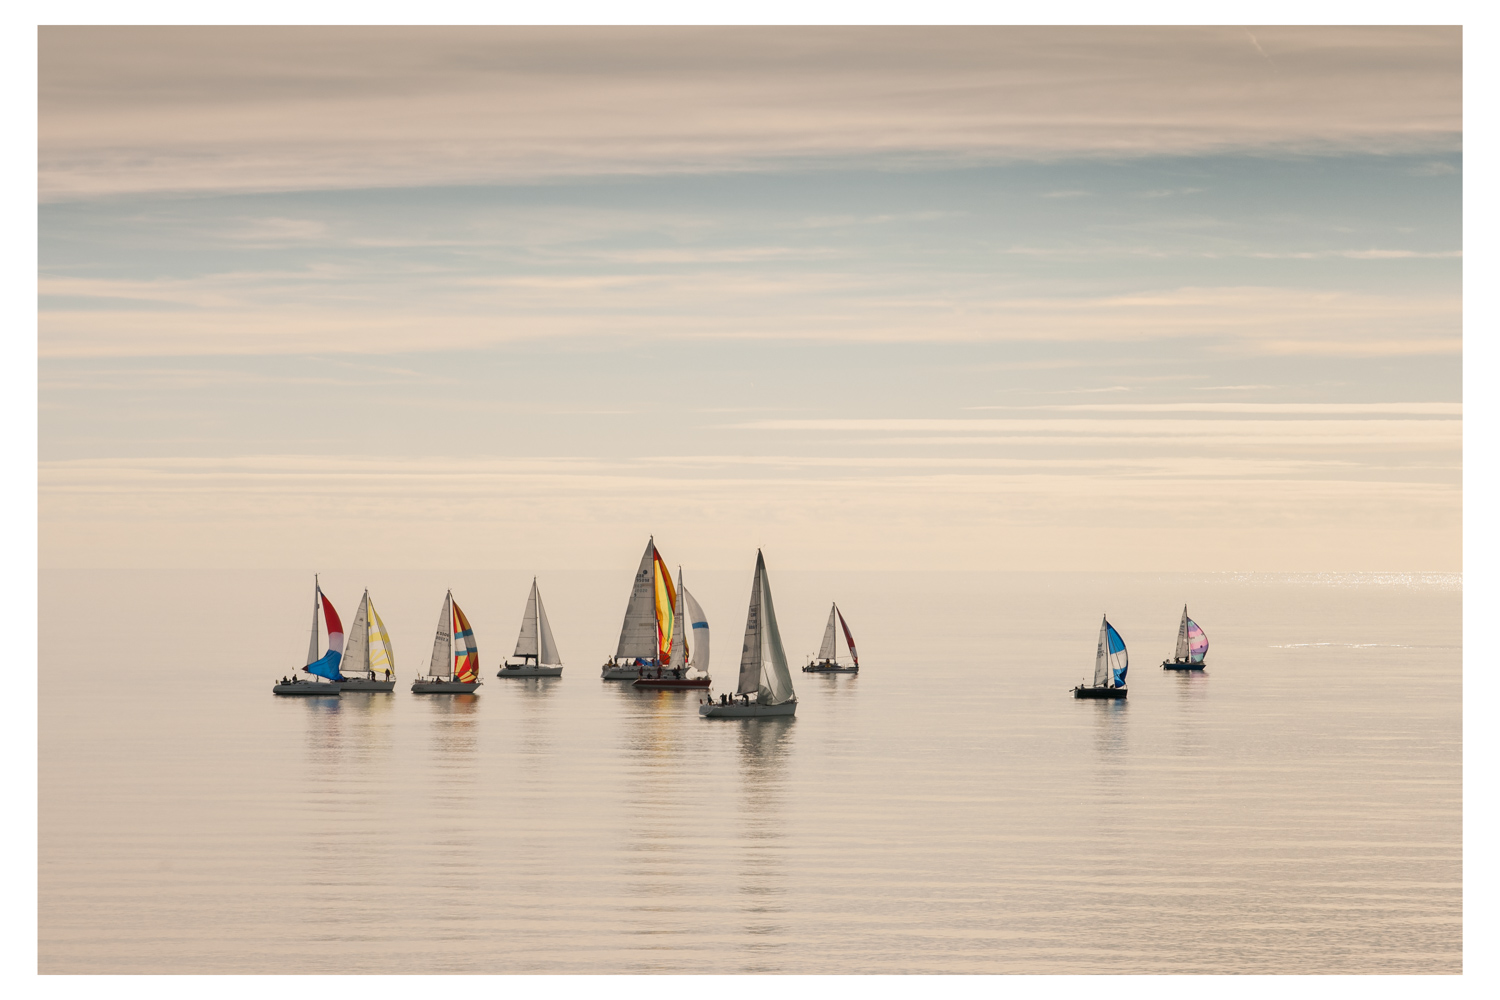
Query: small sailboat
point(368, 664)
point(678, 671)
point(1111, 661)
point(324, 677)
point(1192, 646)
point(827, 661)
point(455, 657)
point(536, 650)
point(646, 634)
point(763, 670)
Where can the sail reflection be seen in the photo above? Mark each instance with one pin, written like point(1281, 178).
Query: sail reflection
point(765, 746)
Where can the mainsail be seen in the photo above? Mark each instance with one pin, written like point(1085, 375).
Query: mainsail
point(638, 633)
point(1181, 653)
point(699, 622)
point(763, 669)
point(326, 665)
point(1111, 661)
point(357, 646)
point(442, 644)
point(466, 652)
point(830, 648)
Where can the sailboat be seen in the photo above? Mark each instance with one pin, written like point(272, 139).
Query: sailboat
point(535, 648)
point(679, 671)
point(368, 652)
point(646, 634)
point(763, 670)
point(1192, 646)
point(1111, 661)
point(827, 661)
point(455, 657)
point(324, 678)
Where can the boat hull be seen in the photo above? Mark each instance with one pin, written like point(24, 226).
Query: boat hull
point(1099, 692)
point(672, 683)
point(751, 711)
point(307, 689)
point(360, 684)
point(813, 668)
point(1179, 665)
point(443, 687)
point(530, 671)
point(610, 673)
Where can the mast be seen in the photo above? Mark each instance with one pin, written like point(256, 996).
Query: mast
point(312, 639)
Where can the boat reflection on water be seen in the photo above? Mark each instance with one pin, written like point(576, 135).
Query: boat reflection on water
point(764, 855)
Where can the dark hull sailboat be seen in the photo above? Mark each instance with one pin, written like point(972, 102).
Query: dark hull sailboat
point(1192, 646)
point(1178, 665)
point(1100, 692)
point(1111, 661)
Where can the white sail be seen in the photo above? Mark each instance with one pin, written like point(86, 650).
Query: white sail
point(829, 650)
point(379, 657)
point(357, 642)
point(547, 645)
point(750, 655)
point(638, 632)
point(526, 641)
point(679, 634)
point(698, 622)
point(312, 640)
point(1182, 637)
point(442, 644)
point(776, 679)
point(1101, 658)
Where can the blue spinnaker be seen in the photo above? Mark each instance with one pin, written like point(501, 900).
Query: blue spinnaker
point(327, 666)
point(1117, 646)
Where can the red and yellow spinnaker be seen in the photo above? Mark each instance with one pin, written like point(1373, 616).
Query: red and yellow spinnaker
point(666, 600)
point(465, 656)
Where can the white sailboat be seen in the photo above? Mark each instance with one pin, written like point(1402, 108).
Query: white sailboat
point(367, 652)
point(1111, 661)
point(646, 633)
point(455, 658)
point(685, 669)
point(322, 669)
point(1192, 646)
point(763, 669)
point(536, 650)
point(827, 661)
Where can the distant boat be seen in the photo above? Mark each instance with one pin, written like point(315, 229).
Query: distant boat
point(325, 678)
point(1192, 646)
point(1111, 661)
point(682, 672)
point(763, 670)
point(535, 648)
point(368, 652)
point(455, 657)
point(827, 661)
point(646, 634)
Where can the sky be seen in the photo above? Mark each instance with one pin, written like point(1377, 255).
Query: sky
point(965, 299)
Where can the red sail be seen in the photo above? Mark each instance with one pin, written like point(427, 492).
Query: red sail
point(849, 639)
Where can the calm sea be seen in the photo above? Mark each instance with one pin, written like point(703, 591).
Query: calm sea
point(952, 809)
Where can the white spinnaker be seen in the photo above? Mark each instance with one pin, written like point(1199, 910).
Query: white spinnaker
point(1182, 637)
point(829, 650)
point(548, 645)
point(750, 655)
point(312, 640)
point(442, 643)
point(776, 679)
point(357, 640)
point(698, 622)
point(526, 641)
point(679, 652)
point(638, 632)
point(1101, 657)
point(380, 657)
